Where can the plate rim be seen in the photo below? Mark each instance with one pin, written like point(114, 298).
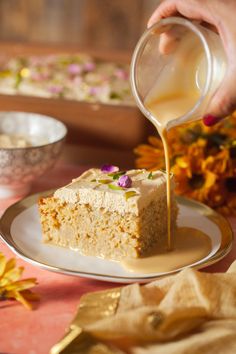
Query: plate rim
point(227, 237)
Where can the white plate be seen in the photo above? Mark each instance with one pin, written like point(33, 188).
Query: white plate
point(20, 230)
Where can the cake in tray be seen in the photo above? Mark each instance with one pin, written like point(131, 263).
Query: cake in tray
point(108, 213)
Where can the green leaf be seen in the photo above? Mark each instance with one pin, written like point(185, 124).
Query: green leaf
point(18, 80)
point(114, 187)
point(130, 194)
point(150, 176)
point(115, 96)
point(116, 175)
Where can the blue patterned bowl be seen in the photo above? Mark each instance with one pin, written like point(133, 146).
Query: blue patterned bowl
point(20, 166)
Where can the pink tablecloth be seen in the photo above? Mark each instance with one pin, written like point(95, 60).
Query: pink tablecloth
point(35, 332)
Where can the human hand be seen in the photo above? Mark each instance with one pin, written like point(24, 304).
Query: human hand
point(219, 15)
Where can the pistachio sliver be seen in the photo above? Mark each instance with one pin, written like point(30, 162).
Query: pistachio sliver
point(130, 194)
point(114, 187)
point(104, 181)
point(116, 175)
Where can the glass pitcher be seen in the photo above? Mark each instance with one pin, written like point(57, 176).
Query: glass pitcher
point(176, 67)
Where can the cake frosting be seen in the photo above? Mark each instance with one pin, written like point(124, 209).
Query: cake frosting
point(99, 189)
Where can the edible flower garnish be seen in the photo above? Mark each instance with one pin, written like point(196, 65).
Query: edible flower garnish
point(125, 181)
point(109, 168)
point(89, 66)
point(74, 69)
point(12, 287)
point(57, 89)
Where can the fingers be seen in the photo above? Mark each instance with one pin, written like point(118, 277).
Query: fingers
point(209, 120)
point(170, 39)
point(192, 9)
point(166, 9)
point(223, 102)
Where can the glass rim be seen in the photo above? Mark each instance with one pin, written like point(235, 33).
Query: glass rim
point(138, 52)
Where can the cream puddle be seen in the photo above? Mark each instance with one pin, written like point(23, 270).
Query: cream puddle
point(189, 246)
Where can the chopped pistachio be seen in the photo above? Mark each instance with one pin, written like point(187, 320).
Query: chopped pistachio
point(114, 187)
point(130, 194)
point(104, 181)
point(116, 175)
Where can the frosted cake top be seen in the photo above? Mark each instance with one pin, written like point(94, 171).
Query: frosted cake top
point(121, 191)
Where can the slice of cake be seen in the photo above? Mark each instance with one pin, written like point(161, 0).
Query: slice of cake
point(107, 214)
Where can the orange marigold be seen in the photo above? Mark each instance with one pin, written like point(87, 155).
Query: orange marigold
point(203, 160)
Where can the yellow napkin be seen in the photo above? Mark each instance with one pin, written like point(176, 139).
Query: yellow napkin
point(191, 312)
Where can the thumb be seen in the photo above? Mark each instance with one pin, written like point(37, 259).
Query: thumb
point(223, 102)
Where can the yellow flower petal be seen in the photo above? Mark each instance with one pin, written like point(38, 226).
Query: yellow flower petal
point(181, 162)
point(19, 297)
point(25, 72)
point(29, 295)
point(210, 179)
point(11, 276)
point(3, 263)
point(11, 287)
point(10, 264)
point(21, 284)
point(156, 142)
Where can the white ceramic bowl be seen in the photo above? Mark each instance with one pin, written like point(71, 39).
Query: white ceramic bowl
point(19, 167)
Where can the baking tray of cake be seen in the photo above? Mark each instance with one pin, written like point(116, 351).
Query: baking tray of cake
point(96, 118)
point(20, 229)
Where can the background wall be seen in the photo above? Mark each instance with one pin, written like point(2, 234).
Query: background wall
point(115, 24)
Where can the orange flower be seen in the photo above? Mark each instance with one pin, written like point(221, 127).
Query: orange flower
point(203, 160)
point(198, 186)
point(219, 164)
point(151, 156)
point(196, 154)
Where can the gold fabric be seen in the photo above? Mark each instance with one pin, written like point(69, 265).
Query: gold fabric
point(191, 312)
